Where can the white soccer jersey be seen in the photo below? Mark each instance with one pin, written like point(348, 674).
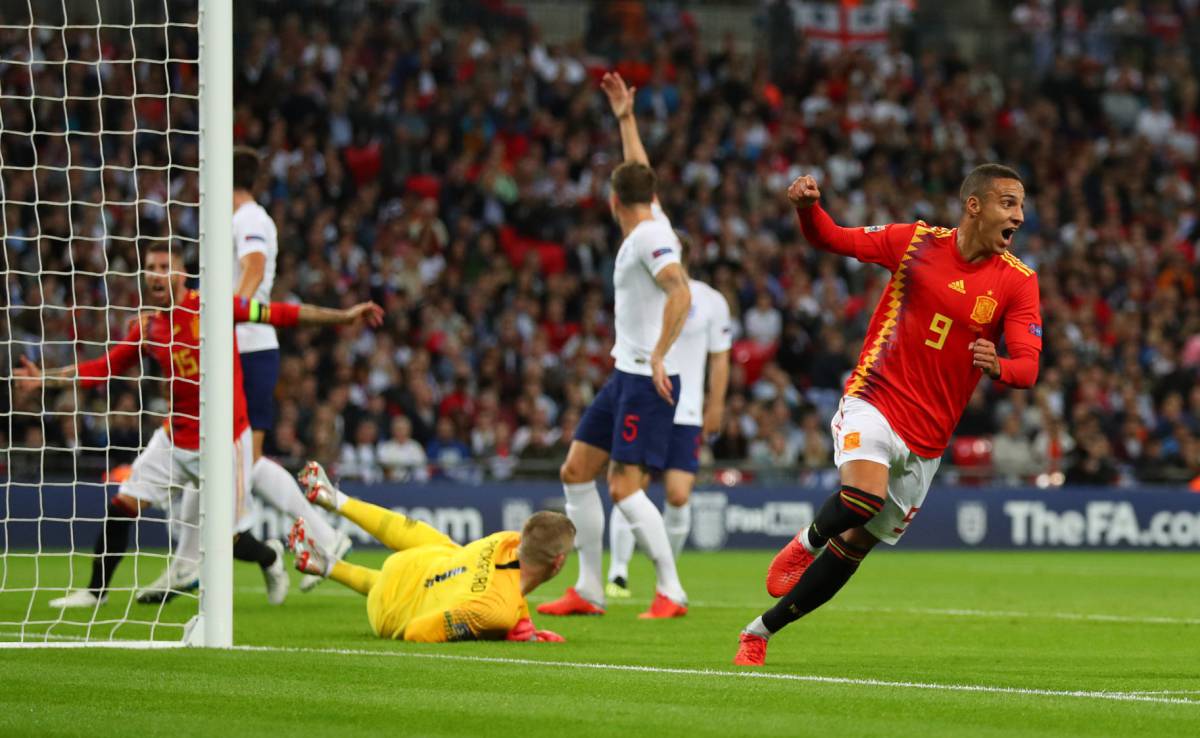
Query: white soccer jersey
point(707, 331)
point(645, 252)
point(254, 231)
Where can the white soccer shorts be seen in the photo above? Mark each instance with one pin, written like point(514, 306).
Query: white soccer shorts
point(162, 470)
point(860, 432)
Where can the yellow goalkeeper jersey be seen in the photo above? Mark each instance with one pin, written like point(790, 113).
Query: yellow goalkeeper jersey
point(442, 591)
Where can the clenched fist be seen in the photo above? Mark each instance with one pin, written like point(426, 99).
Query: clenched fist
point(804, 192)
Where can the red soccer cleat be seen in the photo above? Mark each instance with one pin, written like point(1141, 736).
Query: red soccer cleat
point(663, 607)
point(752, 650)
point(569, 604)
point(787, 567)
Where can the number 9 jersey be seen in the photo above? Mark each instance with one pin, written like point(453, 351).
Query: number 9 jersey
point(915, 366)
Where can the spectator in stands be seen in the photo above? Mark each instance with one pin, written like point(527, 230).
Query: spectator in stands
point(359, 459)
point(400, 456)
point(450, 457)
point(1012, 452)
point(457, 174)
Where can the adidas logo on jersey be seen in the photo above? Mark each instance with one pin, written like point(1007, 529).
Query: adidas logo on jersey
point(958, 286)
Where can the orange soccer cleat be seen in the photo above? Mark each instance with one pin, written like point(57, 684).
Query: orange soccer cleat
point(571, 603)
point(663, 607)
point(752, 650)
point(787, 566)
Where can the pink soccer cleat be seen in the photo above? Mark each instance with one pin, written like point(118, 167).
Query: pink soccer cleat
point(752, 650)
point(788, 566)
point(571, 603)
point(663, 607)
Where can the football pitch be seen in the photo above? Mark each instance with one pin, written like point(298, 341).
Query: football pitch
point(929, 644)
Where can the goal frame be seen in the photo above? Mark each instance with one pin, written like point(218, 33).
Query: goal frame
point(215, 626)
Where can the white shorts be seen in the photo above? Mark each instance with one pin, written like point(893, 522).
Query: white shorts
point(162, 471)
point(860, 432)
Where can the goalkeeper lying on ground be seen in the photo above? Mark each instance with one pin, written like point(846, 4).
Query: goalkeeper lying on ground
point(433, 589)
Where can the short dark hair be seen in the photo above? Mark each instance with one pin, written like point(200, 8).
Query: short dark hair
point(160, 246)
point(245, 167)
point(634, 183)
point(979, 181)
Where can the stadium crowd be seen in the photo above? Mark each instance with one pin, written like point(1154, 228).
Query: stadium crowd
point(457, 174)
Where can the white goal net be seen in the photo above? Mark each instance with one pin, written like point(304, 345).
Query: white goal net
point(100, 162)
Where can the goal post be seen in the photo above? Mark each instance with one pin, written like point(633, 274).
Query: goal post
point(115, 135)
point(216, 323)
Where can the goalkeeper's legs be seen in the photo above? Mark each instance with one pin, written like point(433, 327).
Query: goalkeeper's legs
point(397, 532)
point(358, 578)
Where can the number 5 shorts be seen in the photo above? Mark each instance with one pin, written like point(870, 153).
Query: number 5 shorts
point(860, 432)
point(630, 420)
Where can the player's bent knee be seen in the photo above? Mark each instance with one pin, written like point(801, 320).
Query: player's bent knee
point(572, 472)
point(870, 477)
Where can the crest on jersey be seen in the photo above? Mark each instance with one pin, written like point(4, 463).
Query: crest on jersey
point(874, 229)
point(708, 520)
point(985, 309)
point(852, 441)
point(972, 522)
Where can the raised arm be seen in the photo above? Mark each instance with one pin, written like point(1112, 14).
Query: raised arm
point(883, 245)
point(673, 280)
point(620, 98)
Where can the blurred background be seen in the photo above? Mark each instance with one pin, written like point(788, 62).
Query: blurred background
point(450, 160)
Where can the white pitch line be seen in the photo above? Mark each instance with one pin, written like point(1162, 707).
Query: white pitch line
point(853, 681)
point(1157, 697)
point(1098, 617)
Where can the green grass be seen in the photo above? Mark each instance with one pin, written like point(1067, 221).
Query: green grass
point(1064, 622)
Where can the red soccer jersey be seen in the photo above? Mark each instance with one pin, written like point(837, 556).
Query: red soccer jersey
point(915, 366)
point(172, 338)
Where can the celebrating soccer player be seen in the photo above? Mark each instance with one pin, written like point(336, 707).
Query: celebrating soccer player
point(170, 333)
point(432, 589)
point(628, 425)
point(933, 335)
point(704, 341)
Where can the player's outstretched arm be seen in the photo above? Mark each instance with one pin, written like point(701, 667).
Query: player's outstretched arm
point(881, 245)
point(620, 99)
point(30, 377)
point(286, 314)
point(673, 280)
